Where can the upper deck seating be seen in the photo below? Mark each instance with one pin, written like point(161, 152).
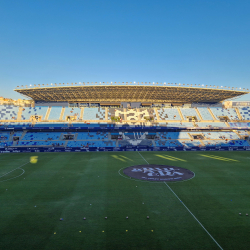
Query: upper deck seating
point(168, 114)
point(55, 113)
point(27, 112)
point(205, 113)
point(229, 112)
point(8, 112)
point(117, 112)
point(76, 112)
point(188, 112)
point(245, 113)
point(94, 114)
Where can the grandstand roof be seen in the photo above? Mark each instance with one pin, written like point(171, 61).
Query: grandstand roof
point(94, 93)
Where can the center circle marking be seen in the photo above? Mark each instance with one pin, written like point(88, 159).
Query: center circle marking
point(158, 173)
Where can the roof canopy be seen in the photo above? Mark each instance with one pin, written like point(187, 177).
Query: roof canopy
point(117, 93)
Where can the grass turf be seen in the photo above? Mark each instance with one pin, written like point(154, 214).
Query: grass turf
point(75, 185)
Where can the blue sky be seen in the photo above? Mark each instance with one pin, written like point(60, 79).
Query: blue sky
point(192, 42)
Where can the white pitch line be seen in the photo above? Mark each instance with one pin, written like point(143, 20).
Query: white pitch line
point(142, 157)
point(190, 211)
point(195, 217)
point(14, 170)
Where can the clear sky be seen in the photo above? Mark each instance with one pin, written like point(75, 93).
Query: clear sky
point(183, 41)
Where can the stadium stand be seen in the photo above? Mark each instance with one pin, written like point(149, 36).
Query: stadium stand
point(71, 113)
point(8, 112)
point(55, 113)
point(229, 112)
point(205, 114)
point(94, 114)
point(27, 112)
point(188, 112)
point(169, 114)
point(245, 113)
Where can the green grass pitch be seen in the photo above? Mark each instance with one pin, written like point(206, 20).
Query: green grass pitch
point(34, 197)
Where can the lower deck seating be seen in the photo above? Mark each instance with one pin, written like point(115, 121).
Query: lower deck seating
point(89, 144)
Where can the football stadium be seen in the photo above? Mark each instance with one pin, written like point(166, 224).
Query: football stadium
point(125, 166)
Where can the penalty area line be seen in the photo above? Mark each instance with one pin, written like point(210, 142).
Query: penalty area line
point(188, 209)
